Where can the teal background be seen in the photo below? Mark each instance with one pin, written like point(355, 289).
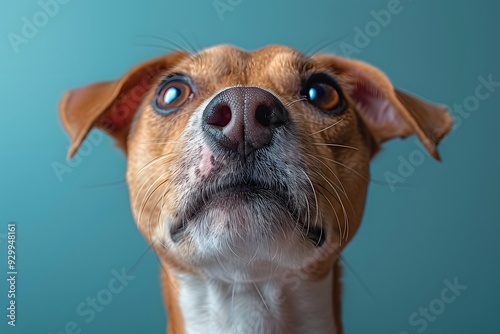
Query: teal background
point(441, 223)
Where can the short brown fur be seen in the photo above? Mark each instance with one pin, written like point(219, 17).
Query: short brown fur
point(154, 143)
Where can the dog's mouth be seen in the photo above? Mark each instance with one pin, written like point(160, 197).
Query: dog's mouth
point(232, 194)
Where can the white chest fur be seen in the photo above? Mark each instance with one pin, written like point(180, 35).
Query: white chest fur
point(261, 307)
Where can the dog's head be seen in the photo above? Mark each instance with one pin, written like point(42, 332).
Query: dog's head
point(254, 161)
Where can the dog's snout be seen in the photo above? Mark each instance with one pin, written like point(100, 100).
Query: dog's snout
point(244, 119)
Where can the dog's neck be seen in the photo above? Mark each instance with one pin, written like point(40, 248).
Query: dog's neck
point(289, 305)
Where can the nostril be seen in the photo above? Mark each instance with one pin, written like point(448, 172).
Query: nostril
point(221, 116)
point(244, 119)
point(264, 115)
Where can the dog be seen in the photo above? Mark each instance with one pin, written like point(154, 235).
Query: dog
point(248, 174)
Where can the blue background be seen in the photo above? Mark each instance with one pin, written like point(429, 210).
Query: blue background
point(441, 223)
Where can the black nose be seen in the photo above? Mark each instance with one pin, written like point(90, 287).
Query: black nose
point(244, 119)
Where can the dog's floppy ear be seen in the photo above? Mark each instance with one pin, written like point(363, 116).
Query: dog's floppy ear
point(389, 112)
point(111, 105)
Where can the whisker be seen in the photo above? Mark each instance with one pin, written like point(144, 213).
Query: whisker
point(232, 251)
point(336, 218)
point(345, 166)
point(328, 167)
point(295, 101)
point(336, 145)
point(358, 278)
point(148, 196)
point(173, 44)
point(261, 297)
point(272, 259)
point(232, 298)
point(158, 142)
point(346, 220)
point(155, 160)
point(140, 259)
point(315, 199)
point(150, 193)
point(162, 200)
point(338, 179)
point(144, 184)
point(217, 257)
point(255, 254)
point(370, 180)
point(297, 227)
point(344, 211)
point(197, 44)
point(186, 41)
point(328, 127)
point(157, 46)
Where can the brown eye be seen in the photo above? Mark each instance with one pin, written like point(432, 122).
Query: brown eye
point(173, 95)
point(323, 96)
point(323, 92)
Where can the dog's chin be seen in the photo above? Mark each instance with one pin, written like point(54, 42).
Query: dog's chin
point(248, 224)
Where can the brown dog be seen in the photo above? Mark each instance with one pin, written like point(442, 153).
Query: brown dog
point(248, 173)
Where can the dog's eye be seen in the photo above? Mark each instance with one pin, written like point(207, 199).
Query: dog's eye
point(323, 96)
point(174, 94)
point(322, 92)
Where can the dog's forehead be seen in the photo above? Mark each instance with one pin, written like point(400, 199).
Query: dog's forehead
point(231, 63)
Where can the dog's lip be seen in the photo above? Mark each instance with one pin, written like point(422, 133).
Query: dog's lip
point(315, 233)
point(202, 199)
point(238, 187)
